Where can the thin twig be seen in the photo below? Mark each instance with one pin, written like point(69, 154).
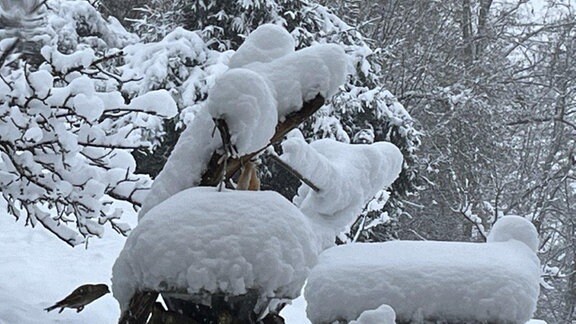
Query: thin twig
point(294, 172)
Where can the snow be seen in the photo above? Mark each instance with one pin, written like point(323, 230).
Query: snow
point(247, 99)
point(348, 175)
point(66, 62)
point(243, 99)
point(42, 270)
point(158, 101)
point(268, 80)
point(186, 163)
point(494, 281)
point(42, 82)
point(204, 241)
point(253, 98)
point(381, 315)
point(515, 228)
point(89, 107)
point(266, 43)
point(300, 76)
point(38, 270)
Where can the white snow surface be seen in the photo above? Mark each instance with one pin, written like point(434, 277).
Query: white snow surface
point(156, 101)
point(348, 175)
point(243, 99)
point(495, 281)
point(381, 315)
point(38, 269)
point(266, 43)
point(515, 228)
point(300, 76)
point(201, 240)
point(42, 270)
point(186, 163)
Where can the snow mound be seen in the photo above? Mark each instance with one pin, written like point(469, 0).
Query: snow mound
point(204, 241)
point(244, 100)
point(300, 76)
point(515, 228)
point(381, 315)
point(451, 281)
point(348, 175)
point(266, 43)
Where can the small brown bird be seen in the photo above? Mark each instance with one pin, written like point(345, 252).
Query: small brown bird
point(81, 297)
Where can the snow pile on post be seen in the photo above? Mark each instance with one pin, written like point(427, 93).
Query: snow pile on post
point(423, 280)
point(201, 241)
point(347, 176)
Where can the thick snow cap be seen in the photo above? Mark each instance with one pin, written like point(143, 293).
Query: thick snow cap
point(202, 240)
point(381, 315)
point(515, 228)
point(452, 281)
point(266, 43)
point(243, 98)
point(300, 76)
point(252, 99)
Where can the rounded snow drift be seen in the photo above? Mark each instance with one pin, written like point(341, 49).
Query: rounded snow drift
point(204, 241)
point(268, 42)
point(515, 228)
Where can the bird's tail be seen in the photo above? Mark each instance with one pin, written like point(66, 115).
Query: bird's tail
point(51, 308)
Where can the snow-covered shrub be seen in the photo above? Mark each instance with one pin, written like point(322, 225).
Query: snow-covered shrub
point(66, 131)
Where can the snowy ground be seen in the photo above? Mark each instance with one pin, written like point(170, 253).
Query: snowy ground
point(38, 270)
